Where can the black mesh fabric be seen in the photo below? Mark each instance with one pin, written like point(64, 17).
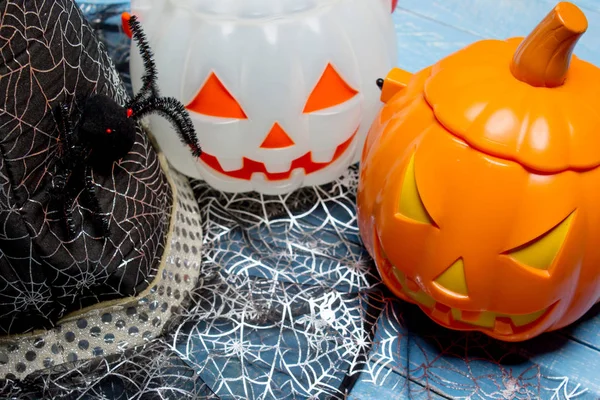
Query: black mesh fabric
point(50, 55)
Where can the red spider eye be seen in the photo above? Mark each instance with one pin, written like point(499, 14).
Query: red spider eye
point(109, 131)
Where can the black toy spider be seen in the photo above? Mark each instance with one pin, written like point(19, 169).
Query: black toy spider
point(105, 133)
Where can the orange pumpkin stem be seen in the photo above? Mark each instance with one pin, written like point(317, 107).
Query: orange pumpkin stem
point(544, 56)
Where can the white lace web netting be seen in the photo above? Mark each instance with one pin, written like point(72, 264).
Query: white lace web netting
point(285, 309)
point(293, 313)
point(291, 307)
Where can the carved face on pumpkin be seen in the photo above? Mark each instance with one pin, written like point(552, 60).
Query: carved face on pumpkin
point(281, 92)
point(483, 208)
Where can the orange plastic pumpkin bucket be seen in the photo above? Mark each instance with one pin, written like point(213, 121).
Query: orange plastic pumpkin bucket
point(479, 193)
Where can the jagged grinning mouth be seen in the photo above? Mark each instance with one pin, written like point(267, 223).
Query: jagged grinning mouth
point(498, 323)
point(504, 324)
point(250, 166)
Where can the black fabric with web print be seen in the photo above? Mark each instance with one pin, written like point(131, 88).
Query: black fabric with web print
point(50, 55)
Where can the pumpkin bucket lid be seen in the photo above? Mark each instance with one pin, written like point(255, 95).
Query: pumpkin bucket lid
point(529, 100)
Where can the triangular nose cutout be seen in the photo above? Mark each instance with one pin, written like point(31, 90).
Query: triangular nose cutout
point(277, 139)
point(453, 279)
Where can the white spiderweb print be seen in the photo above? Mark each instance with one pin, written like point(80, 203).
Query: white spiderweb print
point(289, 317)
point(50, 55)
point(313, 324)
point(296, 310)
point(290, 307)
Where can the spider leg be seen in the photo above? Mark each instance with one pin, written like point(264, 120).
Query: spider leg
point(94, 204)
point(59, 184)
point(149, 86)
point(58, 192)
point(69, 221)
point(65, 128)
point(175, 112)
point(66, 125)
point(67, 162)
point(148, 100)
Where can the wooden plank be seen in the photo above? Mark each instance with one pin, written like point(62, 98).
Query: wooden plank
point(501, 19)
point(571, 363)
point(422, 42)
point(394, 387)
point(471, 365)
point(587, 329)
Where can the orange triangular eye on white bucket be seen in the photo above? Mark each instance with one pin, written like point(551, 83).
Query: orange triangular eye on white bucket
point(214, 99)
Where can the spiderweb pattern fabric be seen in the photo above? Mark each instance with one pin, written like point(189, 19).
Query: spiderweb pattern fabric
point(306, 315)
point(294, 298)
point(290, 307)
point(49, 55)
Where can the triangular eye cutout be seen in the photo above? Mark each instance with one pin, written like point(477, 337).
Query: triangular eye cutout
point(330, 91)
point(541, 252)
point(215, 100)
point(411, 205)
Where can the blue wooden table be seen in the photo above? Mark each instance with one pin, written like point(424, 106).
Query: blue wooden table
point(412, 357)
point(433, 363)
